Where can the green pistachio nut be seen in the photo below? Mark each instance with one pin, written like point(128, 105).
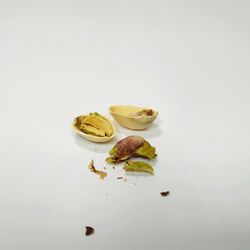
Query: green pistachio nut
point(89, 129)
point(99, 122)
point(138, 166)
point(129, 147)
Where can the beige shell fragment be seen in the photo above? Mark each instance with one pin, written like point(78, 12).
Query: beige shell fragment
point(133, 117)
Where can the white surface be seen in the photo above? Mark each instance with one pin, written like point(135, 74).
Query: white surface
point(187, 59)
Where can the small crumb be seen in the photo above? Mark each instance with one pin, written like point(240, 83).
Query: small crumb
point(113, 167)
point(104, 168)
point(89, 230)
point(125, 179)
point(119, 178)
point(165, 193)
point(135, 183)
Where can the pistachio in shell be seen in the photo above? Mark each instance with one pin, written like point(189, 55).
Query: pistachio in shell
point(98, 121)
point(138, 166)
point(89, 129)
point(94, 124)
point(131, 146)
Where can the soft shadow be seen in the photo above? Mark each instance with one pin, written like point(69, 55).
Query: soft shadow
point(93, 146)
point(153, 131)
point(158, 121)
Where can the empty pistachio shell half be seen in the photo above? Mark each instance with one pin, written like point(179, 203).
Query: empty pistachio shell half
point(94, 127)
point(133, 117)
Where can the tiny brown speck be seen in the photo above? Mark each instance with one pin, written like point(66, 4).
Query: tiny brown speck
point(89, 230)
point(165, 193)
point(119, 178)
point(113, 167)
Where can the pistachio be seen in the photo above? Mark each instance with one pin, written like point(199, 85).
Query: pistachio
point(138, 166)
point(146, 150)
point(94, 127)
point(131, 146)
point(89, 129)
point(99, 122)
point(94, 124)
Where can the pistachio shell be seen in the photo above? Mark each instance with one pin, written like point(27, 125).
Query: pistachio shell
point(138, 166)
point(92, 133)
point(133, 117)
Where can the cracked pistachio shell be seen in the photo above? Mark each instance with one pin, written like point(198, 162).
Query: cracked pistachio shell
point(94, 127)
point(133, 117)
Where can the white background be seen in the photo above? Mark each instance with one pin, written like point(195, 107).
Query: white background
point(190, 60)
